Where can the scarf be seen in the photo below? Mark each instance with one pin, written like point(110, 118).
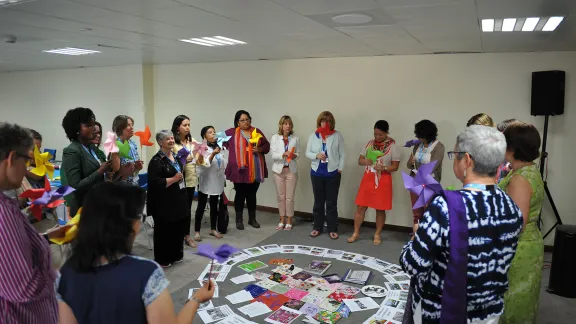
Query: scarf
point(374, 148)
point(253, 161)
point(325, 131)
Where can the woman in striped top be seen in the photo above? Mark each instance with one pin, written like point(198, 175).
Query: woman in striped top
point(494, 224)
point(26, 277)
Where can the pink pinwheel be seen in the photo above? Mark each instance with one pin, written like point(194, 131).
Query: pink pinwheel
point(110, 145)
point(423, 184)
point(412, 143)
point(182, 155)
point(199, 148)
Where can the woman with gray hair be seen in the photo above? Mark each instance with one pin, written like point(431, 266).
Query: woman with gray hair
point(462, 250)
point(167, 202)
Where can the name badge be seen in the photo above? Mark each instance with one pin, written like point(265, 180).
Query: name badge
point(182, 185)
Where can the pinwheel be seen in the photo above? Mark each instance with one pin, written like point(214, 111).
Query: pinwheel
point(290, 155)
point(144, 137)
point(220, 254)
point(221, 138)
point(373, 155)
point(70, 232)
point(182, 155)
point(412, 143)
point(123, 149)
point(423, 184)
point(255, 137)
point(43, 165)
point(45, 198)
point(199, 148)
point(325, 131)
point(110, 145)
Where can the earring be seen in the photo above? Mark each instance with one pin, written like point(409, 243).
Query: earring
point(464, 173)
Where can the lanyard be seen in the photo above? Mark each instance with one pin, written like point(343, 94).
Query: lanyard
point(286, 145)
point(479, 186)
point(174, 163)
point(218, 159)
point(324, 148)
point(92, 153)
point(421, 152)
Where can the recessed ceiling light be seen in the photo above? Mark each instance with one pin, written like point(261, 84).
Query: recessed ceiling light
point(530, 24)
point(213, 41)
point(352, 19)
point(71, 51)
point(552, 23)
point(508, 24)
point(487, 25)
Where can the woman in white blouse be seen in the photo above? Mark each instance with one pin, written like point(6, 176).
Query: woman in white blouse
point(211, 166)
point(285, 149)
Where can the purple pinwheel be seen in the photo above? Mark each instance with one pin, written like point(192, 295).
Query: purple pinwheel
point(412, 143)
point(182, 155)
point(423, 184)
point(53, 198)
point(220, 254)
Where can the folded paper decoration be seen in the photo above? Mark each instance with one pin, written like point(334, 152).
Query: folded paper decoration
point(221, 138)
point(182, 155)
point(110, 143)
point(123, 149)
point(43, 165)
point(45, 197)
point(199, 148)
point(220, 253)
point(373, 155)
point(290, 155)
point(255, 137)
point(144, 137)
point(412, 143)
point(325, 131)
point(70, 232)
point(423, 184)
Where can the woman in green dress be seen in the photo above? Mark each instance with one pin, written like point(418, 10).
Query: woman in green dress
point(524, 185)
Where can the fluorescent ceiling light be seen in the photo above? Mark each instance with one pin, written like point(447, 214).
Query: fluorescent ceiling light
point(213, 41)
point(552, 23)
point(530, 24)
point(487, 25)
point(508, 24)
point(12, 2)
point(71, 51)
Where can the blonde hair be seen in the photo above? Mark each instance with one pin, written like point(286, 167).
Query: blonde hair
point(481, 119)
point(325, 115)
point(281, 122)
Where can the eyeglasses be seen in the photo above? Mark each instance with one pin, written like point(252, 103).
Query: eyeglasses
point(26, 157)
point(451, 154)
point(244, 120)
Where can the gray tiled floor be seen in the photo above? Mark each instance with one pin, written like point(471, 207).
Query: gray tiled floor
point(553, 309)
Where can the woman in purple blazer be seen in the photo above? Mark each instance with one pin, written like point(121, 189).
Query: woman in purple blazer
point(246, 165)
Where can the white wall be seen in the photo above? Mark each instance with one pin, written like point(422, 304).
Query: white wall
point(40, 99)
point(447, 89)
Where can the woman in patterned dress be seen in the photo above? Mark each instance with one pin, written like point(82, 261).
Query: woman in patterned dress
point(123, 126)
point(524, 184)
point(376, 187)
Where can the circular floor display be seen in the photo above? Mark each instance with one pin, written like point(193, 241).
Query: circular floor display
point(295, 283)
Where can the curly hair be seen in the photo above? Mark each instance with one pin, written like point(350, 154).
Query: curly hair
point(427, 130)
point(74, 119)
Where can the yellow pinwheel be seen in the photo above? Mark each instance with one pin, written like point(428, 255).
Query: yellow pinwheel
point(71, 232)
point(255, 137)
point(43, 165)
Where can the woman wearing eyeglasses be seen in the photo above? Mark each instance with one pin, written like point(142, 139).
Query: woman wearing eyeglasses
point(326, 150)
point(246, 165)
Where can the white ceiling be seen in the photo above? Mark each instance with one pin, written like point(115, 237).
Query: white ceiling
point(147, 31)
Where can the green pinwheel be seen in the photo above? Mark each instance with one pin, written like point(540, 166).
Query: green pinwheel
point(123, 149)
point(373, 155)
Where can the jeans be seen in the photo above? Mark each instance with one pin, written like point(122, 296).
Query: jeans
point(325, 191)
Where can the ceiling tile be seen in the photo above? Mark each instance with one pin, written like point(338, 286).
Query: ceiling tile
point(390, 39)
point(524, 8)
point(378, 18)
point(315, 7)
point(417, 3)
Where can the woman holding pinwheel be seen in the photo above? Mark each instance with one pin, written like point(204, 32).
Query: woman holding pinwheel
point(379, 157)
point(129, 160)
point(183, 139)
point(246, 165)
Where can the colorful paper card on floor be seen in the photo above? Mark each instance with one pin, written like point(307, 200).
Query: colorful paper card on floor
point(309, 309)
point(283, 315)
point(330, 304)
point(252, 266)
point(339, 296)
point(296, 294)
point(281, 261)
point(272, 300)
point(278, 277)
point(280, 289)
point(327, 317)
point(294, 304)
point(255, 290)
point(302, 276)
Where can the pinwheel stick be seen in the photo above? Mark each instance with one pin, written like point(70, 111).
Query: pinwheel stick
point(211, 267)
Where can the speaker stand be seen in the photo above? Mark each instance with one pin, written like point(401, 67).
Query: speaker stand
point(543, 159)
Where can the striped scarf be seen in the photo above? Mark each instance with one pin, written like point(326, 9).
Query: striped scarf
point(253, 161)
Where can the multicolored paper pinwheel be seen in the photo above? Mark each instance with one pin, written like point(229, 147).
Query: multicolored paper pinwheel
point(71, 232)
point(412, 143)
point(222, 138)
point(45, 197)
point(110, 145)
point(144, 137)
point(423, 184)
point(43, 165)
point(182, 155)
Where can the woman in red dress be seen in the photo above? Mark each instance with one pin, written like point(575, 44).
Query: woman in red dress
point(379, 157)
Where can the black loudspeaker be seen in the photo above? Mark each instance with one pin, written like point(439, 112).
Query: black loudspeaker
point(548, 89)
point(562, 279)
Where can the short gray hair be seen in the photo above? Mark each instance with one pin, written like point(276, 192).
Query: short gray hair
point(14, 138)
point(486, 145)
point(161, 135)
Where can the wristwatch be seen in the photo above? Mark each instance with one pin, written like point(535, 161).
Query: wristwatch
point(386, 168)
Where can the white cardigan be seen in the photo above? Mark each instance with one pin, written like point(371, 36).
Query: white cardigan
point(334, 146)
point(277, 149)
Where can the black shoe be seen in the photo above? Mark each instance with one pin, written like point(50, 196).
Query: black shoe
point(253, 223)
point(240, 224)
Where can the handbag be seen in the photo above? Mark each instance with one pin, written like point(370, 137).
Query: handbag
point(223, 215)
point(454, 292)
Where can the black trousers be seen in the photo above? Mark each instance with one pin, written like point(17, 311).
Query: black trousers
point(245, 192)
point(190, 196)
point(169, 241)
point(215, 210)
point(325, 191)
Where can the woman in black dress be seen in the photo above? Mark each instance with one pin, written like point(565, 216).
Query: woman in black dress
point(167, 202)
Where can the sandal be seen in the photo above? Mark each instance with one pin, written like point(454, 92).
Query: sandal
point(288, 227)
point(197, 237)
point(215, 234)
point(314, 233)
point(190, 242)
point(377, 240)
point(353, 238)
point(280, 226)
point(334, 235)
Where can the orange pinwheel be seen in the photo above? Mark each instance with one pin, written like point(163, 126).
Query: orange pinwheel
point(144, 137)
point(290, 155)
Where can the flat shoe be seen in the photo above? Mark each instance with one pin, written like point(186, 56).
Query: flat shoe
point(279, 227)
point(334, 235)
point(288, 227)
point(315, 233)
